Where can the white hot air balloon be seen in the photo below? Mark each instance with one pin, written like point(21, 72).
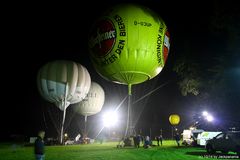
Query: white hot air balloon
point(92, 104)
point(63, 83)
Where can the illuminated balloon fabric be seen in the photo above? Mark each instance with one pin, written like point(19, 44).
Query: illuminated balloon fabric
point(62, 79)
point(174, 119)
point(93, 102)
point(83, 88)
point(129, 44)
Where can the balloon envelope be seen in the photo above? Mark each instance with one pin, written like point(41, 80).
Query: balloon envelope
point(62, 80)
point(129, 44)
point(174, 119)
point(93, 102)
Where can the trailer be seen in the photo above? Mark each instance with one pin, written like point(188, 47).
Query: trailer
point(190, 136)
point(204, 136)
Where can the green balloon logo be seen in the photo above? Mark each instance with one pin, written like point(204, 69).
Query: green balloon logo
point(129, 44)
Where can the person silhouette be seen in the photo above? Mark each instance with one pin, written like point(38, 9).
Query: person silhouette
point(177, 138)
point(160, 139)
point(39, 146)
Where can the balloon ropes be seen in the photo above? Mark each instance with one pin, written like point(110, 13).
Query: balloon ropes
point(129, 45)
point(92, 104)
point(174, 120)
point(63, 83)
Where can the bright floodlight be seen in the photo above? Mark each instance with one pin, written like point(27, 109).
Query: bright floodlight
point(209, 118)
point(110, 119)
point(205, 113)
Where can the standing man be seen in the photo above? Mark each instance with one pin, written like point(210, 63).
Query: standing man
point(160, 139)
point(39, 146)
point(147, 142)
point(157, 138)
point(177, 138)
point(138, 140)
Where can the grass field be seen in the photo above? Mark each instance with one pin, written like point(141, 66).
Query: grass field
point(109, 151)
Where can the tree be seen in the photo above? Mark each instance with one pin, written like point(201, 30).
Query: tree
point(210, 74)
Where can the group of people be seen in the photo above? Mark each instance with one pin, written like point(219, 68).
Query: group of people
point(159, 139)
point(138, 139)
point(39, 143)
point(148, 143)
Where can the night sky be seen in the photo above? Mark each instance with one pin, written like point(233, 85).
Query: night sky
point(38, 33)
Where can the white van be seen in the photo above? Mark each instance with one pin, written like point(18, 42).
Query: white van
point(204, 136)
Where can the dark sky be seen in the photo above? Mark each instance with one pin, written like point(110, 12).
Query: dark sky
point(39, 33)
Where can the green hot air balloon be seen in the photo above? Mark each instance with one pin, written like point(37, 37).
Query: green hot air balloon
point(129, 44)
